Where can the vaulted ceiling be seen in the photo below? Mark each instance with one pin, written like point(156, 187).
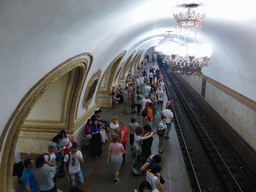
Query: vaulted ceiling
point(37, 35)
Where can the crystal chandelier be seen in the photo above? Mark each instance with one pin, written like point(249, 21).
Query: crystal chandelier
point(181, 51)
point(190, 20)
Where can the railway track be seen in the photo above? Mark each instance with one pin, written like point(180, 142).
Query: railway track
point(210, 162)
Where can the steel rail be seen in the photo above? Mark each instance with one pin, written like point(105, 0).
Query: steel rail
point(208, 137)
point(184, 143)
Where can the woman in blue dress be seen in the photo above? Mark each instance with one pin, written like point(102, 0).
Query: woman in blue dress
point(95, 145)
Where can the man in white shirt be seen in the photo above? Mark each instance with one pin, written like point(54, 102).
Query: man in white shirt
point(169, 119)
point(74, 158)
point(162, 84)
point(144, 101)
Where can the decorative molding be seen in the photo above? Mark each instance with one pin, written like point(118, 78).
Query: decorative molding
point(12, 129)
point(44, 136)
point(118, 72)
point(44, 128)
point(63, 107)
point(91, 90)
point(84, 117)
point(237, 96)
point(108, 77)
point(126, 65)
point(133, 62)
point(90, 60)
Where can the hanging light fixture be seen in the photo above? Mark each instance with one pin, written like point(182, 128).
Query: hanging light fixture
point(189, 54)
point(190, 20)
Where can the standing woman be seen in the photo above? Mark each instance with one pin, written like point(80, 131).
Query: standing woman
point(137, 150)
point(132, 125)
point(115, 152)
point(161, 133)
point(119, 95)
point(133, 101)
point(65, 143)
point(138, 98)
point(95, 146)
point(123, 136)
point(113, 95)
point(114, 127)
point(160, 97)
point(154, 101)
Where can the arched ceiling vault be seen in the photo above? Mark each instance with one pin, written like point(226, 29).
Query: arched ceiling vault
point(38, 35)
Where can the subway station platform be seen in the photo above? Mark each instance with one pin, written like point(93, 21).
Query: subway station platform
point(99, 176)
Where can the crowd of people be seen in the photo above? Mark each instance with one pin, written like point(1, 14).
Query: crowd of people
point(62, 159)
point(143, 95)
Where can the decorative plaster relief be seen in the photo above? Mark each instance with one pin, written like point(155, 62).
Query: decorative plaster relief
point(49, 109)
point(107, 79)
point(90, 89)
point(11, 131)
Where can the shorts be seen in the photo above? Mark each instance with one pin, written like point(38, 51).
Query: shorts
point(169, 125)
point(117, 162)
point(160, 102)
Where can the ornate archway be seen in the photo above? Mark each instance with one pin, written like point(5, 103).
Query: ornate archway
point(81, 64)
point(126, 66)
point(107, 80)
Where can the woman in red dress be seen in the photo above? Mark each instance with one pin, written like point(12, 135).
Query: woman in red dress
point(123, 136)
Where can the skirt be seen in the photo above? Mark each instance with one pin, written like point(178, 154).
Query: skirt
point(95, 145)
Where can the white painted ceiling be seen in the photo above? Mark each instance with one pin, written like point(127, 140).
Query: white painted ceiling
point(38, 35)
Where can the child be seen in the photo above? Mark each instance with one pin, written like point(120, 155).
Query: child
point(50, 157)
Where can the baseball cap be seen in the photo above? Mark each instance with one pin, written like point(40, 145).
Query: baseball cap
point(52, 144)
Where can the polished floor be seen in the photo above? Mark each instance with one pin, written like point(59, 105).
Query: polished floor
point(99, 176)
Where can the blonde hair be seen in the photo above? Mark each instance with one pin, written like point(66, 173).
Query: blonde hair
point(122, 123)
point(115, 138)
point(114, 118)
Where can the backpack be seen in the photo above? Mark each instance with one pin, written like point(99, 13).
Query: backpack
point(47, 155)
point(144, 112)
point(147, 104)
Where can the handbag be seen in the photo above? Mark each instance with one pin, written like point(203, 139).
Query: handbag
point(162, 181)
point(144, 112)
point(160, 132)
